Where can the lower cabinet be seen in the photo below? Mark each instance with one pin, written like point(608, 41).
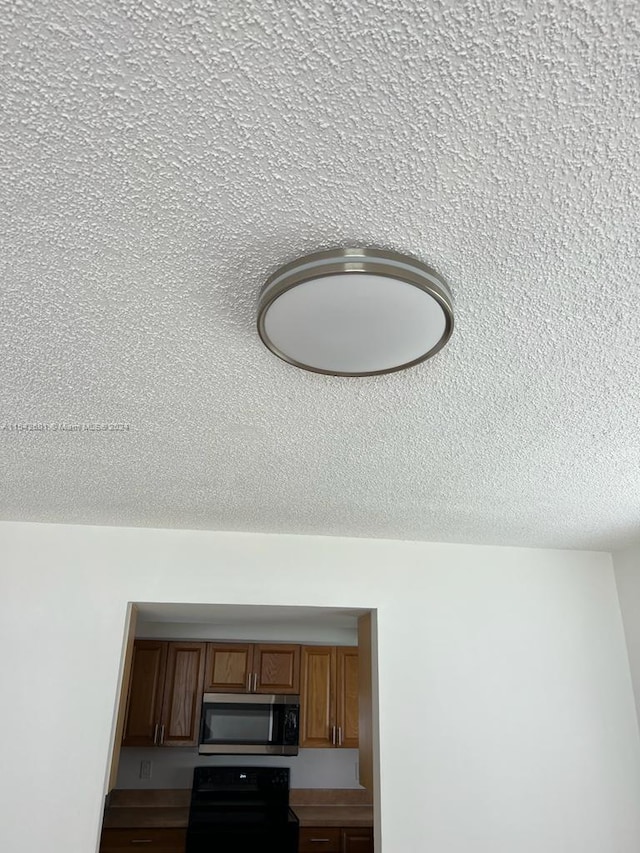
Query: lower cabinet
point(332, 839)
point(156, 840)
point(336, 839)
point(327, 839)
point(357, 840)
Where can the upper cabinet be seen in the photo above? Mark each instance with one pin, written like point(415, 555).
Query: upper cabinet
point(168, 679)
point(146, 686)
point(228, 668)
point(347, 710)
point(276, 668)
point(317, 696)
point(329, 697)
point(246, 668)
point(182, 702)
point(165, 694)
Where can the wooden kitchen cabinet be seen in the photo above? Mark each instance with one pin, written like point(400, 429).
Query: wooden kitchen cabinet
point(182, 701)
point(347, 695)
point(252, 668)
point(329, 697)
point(146, 686)
point(228, 667)
point(326, 839)
point(357, 840)
point(153, 840)
point(335, 839)
point(165, 694)
point(276, 668)
point(317, 696)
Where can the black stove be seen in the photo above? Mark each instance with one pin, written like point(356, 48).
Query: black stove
point(241, 810)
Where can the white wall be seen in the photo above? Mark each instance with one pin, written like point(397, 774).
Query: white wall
point(627, 573)
point(173, 768)
point(506, 710)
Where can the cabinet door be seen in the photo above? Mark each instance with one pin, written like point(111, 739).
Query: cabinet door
point(357, 840)
point(317, 696)
point(347, 696)
point(277, 668)
point(182, 702)
point(144, 703)
point(228, 667)
point(321, 839)
point(150, 839)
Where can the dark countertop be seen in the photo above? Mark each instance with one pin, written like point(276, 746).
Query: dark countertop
point(169, 809)
point(162, 817)
point(334, 815)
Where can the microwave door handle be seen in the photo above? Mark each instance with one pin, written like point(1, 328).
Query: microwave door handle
point(270, 736)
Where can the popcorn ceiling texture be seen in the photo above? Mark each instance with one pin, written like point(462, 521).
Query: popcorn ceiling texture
point(160, 159)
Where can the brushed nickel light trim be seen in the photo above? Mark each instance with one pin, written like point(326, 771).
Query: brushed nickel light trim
point(391, 266)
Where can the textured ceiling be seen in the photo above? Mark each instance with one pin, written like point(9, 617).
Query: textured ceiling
point(160, 159)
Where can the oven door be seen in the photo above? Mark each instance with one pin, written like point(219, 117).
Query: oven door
point(252, 724)
point(250, 837)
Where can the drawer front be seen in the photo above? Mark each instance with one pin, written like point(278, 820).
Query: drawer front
point(152, 840)
point(319, 840)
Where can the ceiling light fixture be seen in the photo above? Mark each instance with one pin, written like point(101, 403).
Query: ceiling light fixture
point(355, 312)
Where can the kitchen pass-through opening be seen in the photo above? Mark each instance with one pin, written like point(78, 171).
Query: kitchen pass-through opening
point(245, 686)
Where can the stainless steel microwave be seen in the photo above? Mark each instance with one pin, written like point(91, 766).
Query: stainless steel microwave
point(249, 724)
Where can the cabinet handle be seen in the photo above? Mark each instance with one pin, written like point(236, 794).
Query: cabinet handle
point(333, 735)
point(155, 735)
point(255, 681)
point(326, 840)
point(339, 735)
point(162, 733)
point(141, 840)
point(248, 682)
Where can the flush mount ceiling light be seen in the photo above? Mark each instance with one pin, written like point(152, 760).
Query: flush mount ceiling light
point(355, 312)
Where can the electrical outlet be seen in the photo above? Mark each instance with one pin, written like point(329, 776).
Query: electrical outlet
point(145, 770)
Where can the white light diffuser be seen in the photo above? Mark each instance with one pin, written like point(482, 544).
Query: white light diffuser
point(355, 312)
